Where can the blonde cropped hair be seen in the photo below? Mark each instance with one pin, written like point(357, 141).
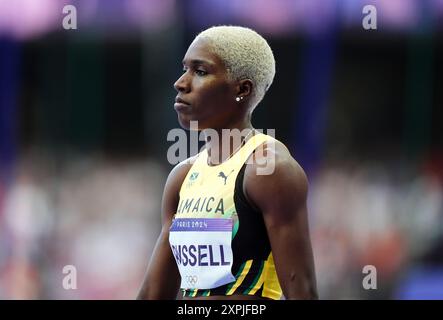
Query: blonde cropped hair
point(246, 55)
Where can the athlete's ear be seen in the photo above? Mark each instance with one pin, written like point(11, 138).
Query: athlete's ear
point(244, 88)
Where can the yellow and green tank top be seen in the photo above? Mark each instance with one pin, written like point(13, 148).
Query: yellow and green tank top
point(217, 192)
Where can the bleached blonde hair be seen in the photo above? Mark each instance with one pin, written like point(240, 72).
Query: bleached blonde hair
point(246, 54)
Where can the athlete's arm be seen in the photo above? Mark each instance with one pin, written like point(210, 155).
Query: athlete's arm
point(281, 197)
point(162, 279)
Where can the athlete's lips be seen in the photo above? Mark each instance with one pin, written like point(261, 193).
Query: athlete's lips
point(181, 105)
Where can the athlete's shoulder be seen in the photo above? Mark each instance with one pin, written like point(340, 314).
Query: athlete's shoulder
point(272, 162)
point(274, 181)
point(275, 150)
point(181, 169)
point(271, 151)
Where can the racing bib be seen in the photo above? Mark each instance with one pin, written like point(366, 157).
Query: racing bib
point(202, 250)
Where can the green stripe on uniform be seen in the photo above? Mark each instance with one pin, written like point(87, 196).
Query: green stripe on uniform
point(206, 293)
point(235, 229)
point(236, 277)
point(256, 279)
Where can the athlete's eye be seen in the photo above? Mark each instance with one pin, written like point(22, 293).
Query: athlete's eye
point(201, 72)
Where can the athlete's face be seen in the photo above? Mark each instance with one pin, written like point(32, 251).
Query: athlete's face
point(205, 92)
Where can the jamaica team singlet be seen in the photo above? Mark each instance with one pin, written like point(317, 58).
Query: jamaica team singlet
point(218, 239)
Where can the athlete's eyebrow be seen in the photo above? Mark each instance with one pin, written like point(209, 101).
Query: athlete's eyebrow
point(197, 62)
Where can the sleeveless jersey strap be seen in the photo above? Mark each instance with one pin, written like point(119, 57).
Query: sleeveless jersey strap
point(237, 160)
point(243, 154)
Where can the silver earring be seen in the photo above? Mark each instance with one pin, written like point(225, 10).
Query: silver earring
point(237, 99)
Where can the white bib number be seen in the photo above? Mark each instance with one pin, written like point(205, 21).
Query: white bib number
point(202, 250)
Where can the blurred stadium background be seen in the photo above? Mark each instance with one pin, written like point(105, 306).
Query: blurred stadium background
point(84, 116)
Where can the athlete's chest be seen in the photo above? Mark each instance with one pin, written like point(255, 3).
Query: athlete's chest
point(208, 192)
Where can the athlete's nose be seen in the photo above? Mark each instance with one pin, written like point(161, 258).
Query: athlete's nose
point(182, 83)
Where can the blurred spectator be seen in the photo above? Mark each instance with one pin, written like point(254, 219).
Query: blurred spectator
point(98, 215)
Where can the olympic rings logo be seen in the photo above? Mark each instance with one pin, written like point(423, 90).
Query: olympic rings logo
point(192, 280)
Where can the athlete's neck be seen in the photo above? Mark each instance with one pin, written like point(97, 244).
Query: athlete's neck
point(222, 144)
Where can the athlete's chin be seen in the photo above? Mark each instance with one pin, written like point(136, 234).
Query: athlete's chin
point(188, 122)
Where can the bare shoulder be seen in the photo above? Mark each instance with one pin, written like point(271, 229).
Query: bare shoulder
point(272, 170)
point(179, 172)
point(278, 159)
